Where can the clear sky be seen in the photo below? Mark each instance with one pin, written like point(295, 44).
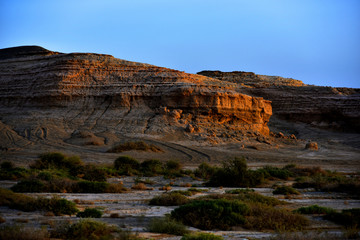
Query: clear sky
point(316, 41)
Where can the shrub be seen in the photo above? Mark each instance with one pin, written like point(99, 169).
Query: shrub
point(7, 165)
point(16, 232)
point(127, 165)
point(314, 209)
point(48, 160)
point(116, 188)
point(151, 167)
point(266, 217)
point(29, 185)
point(235, 174)
point(167, 225)
point(173, 165)
point(139, 186)
point(201, 236)
point(137, 146)
point(189, 192)
point(281, 173)
point(240, 191)
point(205, 171)
point(347, 217)
point(93, 173)
point(286, 190)
point(91, 187)
point(13, 173)
point(90, 230)
point(169, 199)
point(90, 213)
point(212, 214)
point(25, 203)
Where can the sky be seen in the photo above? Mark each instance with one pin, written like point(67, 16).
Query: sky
point(316, 41)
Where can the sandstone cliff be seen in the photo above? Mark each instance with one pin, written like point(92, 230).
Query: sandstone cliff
point(49, 96)
point(324, 107)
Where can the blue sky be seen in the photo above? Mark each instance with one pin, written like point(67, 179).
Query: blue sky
point(316, 41)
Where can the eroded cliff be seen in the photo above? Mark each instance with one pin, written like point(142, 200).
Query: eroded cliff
point(49, 96)
point(324, 107)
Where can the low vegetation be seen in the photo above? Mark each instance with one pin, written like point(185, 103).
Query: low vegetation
point(348, 217)
point(286, 190)
point(90, 213)
point(9, 172)
point(137, 146)
point(315, 209)
point(167, 225)
point(201, 236)
point(17, 232)
point(169, 199)
point(58, 206)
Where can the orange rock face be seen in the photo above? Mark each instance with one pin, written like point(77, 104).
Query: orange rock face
point(48, 95)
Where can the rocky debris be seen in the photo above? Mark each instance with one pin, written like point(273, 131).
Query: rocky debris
point(84, 98)
point(312, 146)
point(322, 107)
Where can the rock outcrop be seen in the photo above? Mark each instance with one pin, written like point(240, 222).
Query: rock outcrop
point(51, 96)
point(324, 107)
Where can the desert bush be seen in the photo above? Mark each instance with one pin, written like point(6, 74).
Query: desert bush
point(90, 230)
point(26, 203)
point(347, 217)
point(29, 185)
point(137, 146)
point(17, 232)
point(189, 192)
point(201, 236)
point(212, 214)
point(116, 188)
point(275, 172)
point(152, 167)
point(167, 225)
point(169, 199)
point(127, 165)
point(139, 186)
point(90, 213)
point(234, 173)
point(205, 171)
point(91, 187)
point(286, 190)
point(93, 173)
point(13, 173)
point(7, 165)
point(314, 209)
point(266, 217)
point(240, 191)
point(246, 197)
point(173, 165)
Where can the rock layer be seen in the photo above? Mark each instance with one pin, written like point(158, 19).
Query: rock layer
point(324, 107)
point(49, 96)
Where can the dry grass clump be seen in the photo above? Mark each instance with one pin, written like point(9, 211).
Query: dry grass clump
point(137, 146)
point(140, 186)
point(169, 199)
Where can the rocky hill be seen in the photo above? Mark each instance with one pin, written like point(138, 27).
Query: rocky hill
point(85, 98)
point(323, 107)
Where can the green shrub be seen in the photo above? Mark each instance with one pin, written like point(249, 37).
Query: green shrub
point(127, 165)
point(93, 173)
point(240, 191)
point(16, 232)
point(90, 230)
point(90, 213)
point(169, 199)
point(314, 209)
point(212, 214)
point(167, 225)
point(281, 173)
point(91, 187)
point(234, 173)
point(58, 161)
point(173, 165)
point(347, 217)
point(286, 190)
point(201, 236)
point(13, 173)
point(25, 203)
point(137, 146)
point(7, 165)
point(29, 185)
point(152, 167)
point(205, 171)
